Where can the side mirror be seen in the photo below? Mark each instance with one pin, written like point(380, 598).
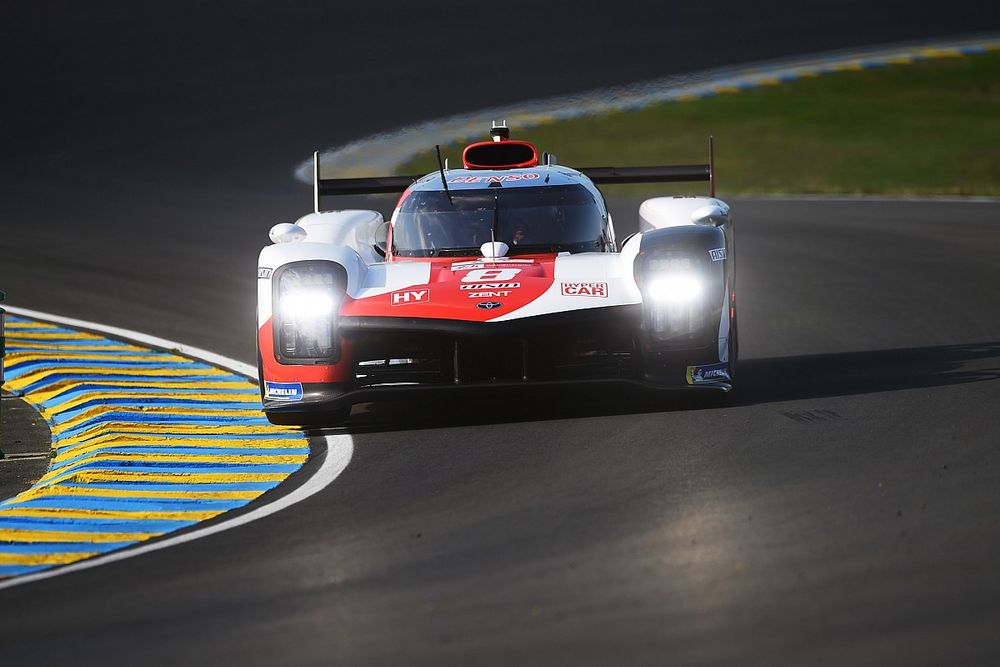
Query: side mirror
point(382, 239)
point(712, 214)
point(286, 232)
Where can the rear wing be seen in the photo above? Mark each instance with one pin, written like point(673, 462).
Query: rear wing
point(374, 185)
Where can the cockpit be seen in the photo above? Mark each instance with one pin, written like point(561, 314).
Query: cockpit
point(536, 219)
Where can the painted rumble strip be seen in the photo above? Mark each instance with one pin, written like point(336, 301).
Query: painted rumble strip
point(145, 442)
point(383, 153)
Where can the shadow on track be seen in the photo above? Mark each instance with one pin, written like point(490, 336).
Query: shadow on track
point(824, 375)
point(760, 381)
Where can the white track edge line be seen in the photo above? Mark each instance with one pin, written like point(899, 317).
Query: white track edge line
point(339, 451)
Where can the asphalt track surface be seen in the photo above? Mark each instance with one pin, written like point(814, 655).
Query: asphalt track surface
point(844, 508)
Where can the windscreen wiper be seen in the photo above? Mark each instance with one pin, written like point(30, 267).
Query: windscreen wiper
point(496, 215)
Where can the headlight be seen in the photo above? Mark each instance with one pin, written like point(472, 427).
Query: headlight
point(675, 288)
point(674, 303)
point(307, 299)
point(307, 304)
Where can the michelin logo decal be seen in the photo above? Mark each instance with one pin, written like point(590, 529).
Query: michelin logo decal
point(710, 373)
point(283, 391)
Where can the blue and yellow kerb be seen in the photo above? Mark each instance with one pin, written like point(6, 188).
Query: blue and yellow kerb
point(144, 443)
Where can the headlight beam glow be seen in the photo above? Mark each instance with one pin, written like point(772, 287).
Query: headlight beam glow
point(675, 288)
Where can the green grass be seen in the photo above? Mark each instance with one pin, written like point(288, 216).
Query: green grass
point(932, 127)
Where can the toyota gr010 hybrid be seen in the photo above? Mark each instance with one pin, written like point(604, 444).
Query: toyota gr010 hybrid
point(505, 272)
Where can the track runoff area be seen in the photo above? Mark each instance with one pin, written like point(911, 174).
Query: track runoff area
point(145, 442)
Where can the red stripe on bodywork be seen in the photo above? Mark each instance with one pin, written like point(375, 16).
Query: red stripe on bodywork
point(447, 295)
point(273, 371)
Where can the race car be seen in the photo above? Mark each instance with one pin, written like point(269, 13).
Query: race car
point(505, 272)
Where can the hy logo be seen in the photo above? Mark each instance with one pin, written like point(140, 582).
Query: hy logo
point(410, 296)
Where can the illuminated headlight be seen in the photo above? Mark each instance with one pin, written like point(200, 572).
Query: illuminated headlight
point(675, 303)
point(307, 304)
point(307, 300)
point(675, 288)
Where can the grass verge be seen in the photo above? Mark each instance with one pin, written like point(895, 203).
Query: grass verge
point(930, 128)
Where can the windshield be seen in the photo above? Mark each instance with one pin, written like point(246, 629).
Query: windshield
point(554, 218)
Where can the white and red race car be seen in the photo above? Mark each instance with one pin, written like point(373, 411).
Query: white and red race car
point(505, 272)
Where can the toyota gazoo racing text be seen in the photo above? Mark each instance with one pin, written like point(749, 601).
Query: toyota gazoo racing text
point(504, 272)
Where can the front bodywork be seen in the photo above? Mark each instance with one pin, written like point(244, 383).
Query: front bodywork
point(399, 325)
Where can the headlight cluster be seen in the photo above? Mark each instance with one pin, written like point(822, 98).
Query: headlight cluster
point(674, 293)
point(307, 298)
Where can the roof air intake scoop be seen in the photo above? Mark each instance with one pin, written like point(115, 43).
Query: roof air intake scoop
point(500, 152)
point(500, 155)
